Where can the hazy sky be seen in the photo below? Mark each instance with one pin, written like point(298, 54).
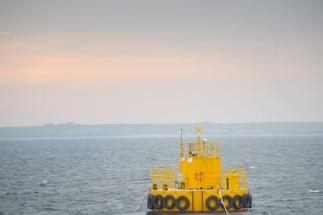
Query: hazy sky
point(160, 61)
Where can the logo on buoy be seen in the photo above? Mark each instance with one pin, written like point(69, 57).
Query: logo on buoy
point(199, 176)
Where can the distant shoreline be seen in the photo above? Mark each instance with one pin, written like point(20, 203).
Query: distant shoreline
point(175, 123)
point(72, 130)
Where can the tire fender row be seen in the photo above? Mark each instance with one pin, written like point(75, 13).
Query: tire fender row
point(182, 203)
point(237, 202)
point(212, 203)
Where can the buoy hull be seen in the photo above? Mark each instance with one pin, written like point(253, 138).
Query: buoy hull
point(198, 200)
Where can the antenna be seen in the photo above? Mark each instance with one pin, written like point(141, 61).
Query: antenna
point(182, 153)
point(181, 135)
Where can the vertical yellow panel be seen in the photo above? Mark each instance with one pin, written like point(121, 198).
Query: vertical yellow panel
point(197, 200)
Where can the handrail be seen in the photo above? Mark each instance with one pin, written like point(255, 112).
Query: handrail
point(163, 177)
point(242, 174)
point(199, 148)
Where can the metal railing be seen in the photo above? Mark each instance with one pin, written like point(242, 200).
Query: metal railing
point(163, 178)
point(168, 178)
point(242, 174)
point(199, 148)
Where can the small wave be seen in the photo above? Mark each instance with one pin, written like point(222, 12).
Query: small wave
point(43, 183)
point(314, 191)
point(11, 193)
point(49, 209)
point(252, 167)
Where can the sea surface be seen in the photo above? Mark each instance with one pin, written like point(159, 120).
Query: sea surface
point(111, 175)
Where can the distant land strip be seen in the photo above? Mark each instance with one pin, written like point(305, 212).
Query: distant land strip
point(72, 130)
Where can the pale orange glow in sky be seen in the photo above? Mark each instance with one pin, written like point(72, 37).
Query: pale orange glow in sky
point(111, 63)
point(60, 65)
point(52, 65)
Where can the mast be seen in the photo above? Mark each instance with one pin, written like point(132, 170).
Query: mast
point(181, 142)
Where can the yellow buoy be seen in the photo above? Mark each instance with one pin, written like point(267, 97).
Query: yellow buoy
point(199, 184)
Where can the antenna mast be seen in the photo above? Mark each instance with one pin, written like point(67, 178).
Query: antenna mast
point(181, 142)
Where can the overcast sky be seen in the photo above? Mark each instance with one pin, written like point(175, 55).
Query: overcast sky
point(160, 61)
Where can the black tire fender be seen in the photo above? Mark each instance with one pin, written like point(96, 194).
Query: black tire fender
point(247, 200)
point(181, 207)
point(158, 202)
point(167, 199)
point(150, 200)
point(237, 202)
point(209, 200)
point(229, 199)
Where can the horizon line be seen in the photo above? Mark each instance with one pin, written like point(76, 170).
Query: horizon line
point(48, 124)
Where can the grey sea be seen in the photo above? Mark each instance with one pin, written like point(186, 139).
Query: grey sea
point(55, 173)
